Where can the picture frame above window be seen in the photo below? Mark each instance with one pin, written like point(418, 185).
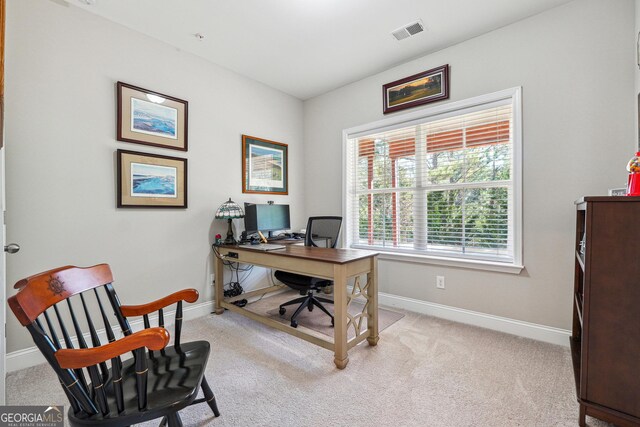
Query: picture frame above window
point(419, 89)
point(265, 166)
point(151, 118)
point(151, 180)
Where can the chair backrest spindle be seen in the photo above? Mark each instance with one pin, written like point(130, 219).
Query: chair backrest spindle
point(76, 326)
point(63, 328)
point(97, 382)
point(95, 340)
point(67, 377)
point(98, 389)
point(52, 331)
point(178, 329)
point(161, 324)
point(116, 364)
point(161, 318)
point(141, 378)
point(107, 325)
point(69, 344)
point(147, 325)
point(56, 343)
point(115, 303)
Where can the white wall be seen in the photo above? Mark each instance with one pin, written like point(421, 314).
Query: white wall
point(575, 64)
point(61, 68)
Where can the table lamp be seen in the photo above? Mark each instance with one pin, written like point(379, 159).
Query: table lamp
point(229, 210)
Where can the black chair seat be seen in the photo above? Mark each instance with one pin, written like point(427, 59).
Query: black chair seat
point(300, 282)
point(174, 378)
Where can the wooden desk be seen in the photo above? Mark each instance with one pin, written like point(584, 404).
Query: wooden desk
point(323, 242)
point(339, 265)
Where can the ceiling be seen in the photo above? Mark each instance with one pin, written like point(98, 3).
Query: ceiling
point(309, 47)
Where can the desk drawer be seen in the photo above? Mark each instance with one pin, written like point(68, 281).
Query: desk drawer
point(280, 262)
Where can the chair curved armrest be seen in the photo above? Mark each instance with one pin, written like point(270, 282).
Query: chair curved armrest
point(188, 295)
point(152, 338)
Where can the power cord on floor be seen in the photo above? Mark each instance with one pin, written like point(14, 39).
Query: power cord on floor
point(234, 290)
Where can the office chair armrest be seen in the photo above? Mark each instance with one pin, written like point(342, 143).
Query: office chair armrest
point(188, 295)
point(152, 338)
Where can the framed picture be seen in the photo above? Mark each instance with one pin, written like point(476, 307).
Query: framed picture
point(264, 166)
point(422, 88)
point(151, 118)
point(151, 181)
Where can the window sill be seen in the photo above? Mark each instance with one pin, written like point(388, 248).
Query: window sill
point(500, 267)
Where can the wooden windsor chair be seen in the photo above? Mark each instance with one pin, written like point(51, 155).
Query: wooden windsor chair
point(157, 382)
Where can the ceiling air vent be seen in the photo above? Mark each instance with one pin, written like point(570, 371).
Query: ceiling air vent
point(408, 30)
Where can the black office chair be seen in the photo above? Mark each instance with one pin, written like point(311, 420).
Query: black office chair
point(318, 228)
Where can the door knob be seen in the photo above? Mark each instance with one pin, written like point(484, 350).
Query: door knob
point(12, 248)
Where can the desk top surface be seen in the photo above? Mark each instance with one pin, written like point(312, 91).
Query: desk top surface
point(334, 256)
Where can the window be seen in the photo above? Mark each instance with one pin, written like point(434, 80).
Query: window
point(442, 183)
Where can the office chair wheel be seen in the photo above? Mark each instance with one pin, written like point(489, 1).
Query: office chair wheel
point(310, 306)
point(282, 311)
point(294, 324)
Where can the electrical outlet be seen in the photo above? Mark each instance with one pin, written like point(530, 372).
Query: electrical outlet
point(212, 278)
point(440, 282)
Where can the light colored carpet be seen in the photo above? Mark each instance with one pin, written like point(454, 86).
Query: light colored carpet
point(316, 319)
point(424, 372)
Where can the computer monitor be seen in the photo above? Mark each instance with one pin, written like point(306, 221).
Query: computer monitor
point(266, 218)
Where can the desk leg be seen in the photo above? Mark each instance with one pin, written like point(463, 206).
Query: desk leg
point(340, 316)
point(219, 289)
point(372, 296)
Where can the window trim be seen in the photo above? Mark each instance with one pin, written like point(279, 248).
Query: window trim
point(407, 119)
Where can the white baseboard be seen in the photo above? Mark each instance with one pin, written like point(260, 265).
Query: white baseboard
point(496, 323)
point(31, 356)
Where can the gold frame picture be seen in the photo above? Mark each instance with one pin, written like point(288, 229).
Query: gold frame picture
point(151, 180)
point(422, 88)
point(264, 166)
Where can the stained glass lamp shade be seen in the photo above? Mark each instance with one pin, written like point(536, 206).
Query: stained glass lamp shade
point(229, 210)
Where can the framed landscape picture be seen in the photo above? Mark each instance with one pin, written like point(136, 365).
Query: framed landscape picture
point(422, 88)
point(151, 118)
point(264, 166)
point(151, 180)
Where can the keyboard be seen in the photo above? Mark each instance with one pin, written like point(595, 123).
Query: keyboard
point(265, 247)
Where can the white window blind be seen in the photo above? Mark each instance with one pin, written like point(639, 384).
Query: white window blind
point(442, 186)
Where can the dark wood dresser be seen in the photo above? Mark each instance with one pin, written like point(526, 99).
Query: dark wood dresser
point(605, 343)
